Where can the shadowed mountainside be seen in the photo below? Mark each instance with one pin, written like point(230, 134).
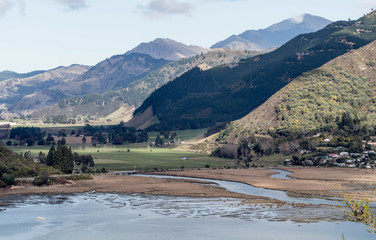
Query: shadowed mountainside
point(201, 98)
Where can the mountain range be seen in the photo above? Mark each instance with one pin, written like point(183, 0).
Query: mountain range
point(202, 98)
point(14, 89)
point(124, 99)
point(124, 80)
point(274, 36)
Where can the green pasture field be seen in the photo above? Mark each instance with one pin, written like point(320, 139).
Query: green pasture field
point(270, 160)
point(118, 157)
point(181, 134)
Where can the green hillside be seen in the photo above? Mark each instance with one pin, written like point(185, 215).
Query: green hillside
point(319, 101)
point(225, 93)
point(13, 165)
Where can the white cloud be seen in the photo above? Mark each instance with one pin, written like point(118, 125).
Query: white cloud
point(159, 8)
point(73, 4)
point(22, 5)
point(5, 5)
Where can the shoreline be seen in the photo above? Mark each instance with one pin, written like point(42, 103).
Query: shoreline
point(307, 182)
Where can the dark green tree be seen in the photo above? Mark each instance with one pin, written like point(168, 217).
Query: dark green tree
point(50, 139)
point(51, 156)
point(58, 159)
point(159, 141)
point(243, 149)
point(173, 135)
point(76, 158)
point(42, 157)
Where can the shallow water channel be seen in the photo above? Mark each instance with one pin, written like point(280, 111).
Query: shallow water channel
point(255, 191)
point(138, 217)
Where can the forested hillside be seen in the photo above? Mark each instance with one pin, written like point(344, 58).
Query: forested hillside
point(201, 98)
point(338, 98)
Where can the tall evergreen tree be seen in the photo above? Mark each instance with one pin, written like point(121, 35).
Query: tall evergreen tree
point(51, 156)
point(68, 163)
point(58, 160)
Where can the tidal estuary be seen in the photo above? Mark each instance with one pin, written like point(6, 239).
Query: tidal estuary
point(143, 217)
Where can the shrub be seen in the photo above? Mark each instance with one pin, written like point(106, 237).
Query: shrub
point(2, 184)
point(80, 177)
point(8, 179)
point(42, 179)
point(60, 181)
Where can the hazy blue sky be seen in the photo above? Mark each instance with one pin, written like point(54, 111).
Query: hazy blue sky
point(43, 34)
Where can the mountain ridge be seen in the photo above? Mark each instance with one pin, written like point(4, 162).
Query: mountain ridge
point(168, 49)
point(14, 89)
point(139, 90)
point(119, 70)
point(201, 98)
point(274, 35)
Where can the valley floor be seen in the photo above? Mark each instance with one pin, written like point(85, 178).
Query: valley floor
point(326, 182)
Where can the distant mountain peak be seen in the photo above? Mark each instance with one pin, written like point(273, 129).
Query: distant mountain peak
point(275, 35)
point(298, 19)
point(168, 49)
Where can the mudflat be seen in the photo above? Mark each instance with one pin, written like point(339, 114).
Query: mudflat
point(331, 182)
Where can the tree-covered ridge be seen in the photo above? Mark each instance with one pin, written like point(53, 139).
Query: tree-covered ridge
point(319, 100)
point(231, 92)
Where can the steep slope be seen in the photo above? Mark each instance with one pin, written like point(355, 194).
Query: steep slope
point(275, 35)
point(168, 49)
point(14, 89)
point(117, 71)
point(101, 105)
point(201, 98)
point(313, 101)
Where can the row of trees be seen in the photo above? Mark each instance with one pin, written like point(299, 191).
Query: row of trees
point(63, 159)
point(115, 134)
point(60, 158)
point(28, 135)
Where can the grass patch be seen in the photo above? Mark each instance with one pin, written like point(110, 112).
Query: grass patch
point(270, 160)
point(181, 134)
point(119, 158)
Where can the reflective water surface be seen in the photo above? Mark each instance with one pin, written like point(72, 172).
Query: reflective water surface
point(124, 216)
point(243, 188)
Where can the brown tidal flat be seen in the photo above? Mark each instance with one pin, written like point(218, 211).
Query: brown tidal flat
point(326, 182)
point(329, 182)
point(133, 184)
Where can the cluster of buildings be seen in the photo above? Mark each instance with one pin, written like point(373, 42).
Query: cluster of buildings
point(339, 157)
